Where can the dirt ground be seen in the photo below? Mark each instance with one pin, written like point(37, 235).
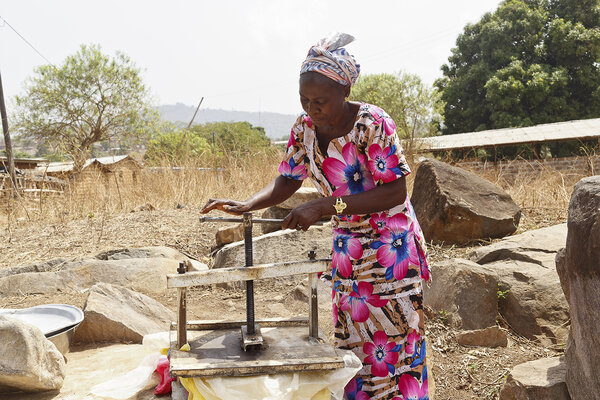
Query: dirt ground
point(459, 372)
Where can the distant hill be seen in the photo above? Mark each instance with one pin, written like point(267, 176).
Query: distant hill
point(276, 125)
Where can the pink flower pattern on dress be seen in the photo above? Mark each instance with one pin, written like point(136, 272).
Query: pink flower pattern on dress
point(411, 341)
point(351, 177)
point(378, 222)
point(292, 171)
point(308, 121)
point(396, 247)
point(350, 218)
point(343, 306)
point(382, 355)
point(361, 295)
point(380, 116)
point(384, 163)
point(344, 247)
point(411, 389)
point(353, 390)
point(291, 140)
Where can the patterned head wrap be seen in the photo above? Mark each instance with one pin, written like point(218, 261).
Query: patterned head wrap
point(329, 58)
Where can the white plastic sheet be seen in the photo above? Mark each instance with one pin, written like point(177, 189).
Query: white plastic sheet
point(127, 386)
point(315, 385)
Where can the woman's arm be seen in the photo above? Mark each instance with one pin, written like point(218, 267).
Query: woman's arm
point(277, 191)
point(377, 199)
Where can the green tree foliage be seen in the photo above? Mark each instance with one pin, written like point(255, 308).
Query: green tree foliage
point(529, 62)
point(230, 138)
point(233, 137)
point(90, 98)
point(415, 108)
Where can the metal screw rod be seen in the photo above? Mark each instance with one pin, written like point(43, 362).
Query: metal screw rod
point(247, 222)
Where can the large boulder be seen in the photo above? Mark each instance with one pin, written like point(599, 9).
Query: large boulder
point(536, 380)
point(579, 269)
point(143, 269)
point(515, 276)
point(530, 296)
point(117, 314)
point(229, 234)
point(301, 196)
point(287, 245)
point(464, 293)
point(456, 206)
point(29, 361)
point(488, 337)
point(274, 212)
point(537, 246)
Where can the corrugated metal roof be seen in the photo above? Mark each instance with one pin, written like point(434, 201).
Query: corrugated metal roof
point(571, 130)
point(105, 160)
point(67, 166)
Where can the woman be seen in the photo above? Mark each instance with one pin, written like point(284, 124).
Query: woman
point(352, 154)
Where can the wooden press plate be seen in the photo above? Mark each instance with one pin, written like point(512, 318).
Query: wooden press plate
point(219, 353)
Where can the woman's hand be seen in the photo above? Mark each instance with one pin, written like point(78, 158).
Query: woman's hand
point(303, 216)
point(229, 206)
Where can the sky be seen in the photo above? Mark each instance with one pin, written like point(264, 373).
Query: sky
point(239, 54)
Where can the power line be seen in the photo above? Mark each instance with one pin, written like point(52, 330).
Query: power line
point(26, 41)
point(409, 45)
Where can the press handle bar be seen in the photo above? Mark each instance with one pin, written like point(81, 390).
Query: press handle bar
point(254, 220)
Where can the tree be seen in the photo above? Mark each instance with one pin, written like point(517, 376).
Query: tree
point(164, 146)
point(230, 138)
point(233, 137)
point(530, 62)
point(90, 98)
point(414, 107)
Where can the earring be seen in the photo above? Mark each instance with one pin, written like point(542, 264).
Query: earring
point(346, 99)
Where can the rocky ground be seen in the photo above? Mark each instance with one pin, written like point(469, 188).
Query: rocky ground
point(460, 372)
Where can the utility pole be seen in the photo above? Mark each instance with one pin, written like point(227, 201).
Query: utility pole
point(7, 141)
point(185, 132)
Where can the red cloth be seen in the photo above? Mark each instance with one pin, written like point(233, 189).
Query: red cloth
point(162, 369)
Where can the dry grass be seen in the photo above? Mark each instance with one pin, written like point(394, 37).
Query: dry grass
point(542, 195)
point(163, 187)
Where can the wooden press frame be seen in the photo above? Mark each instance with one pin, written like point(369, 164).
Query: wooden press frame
point(185, 280)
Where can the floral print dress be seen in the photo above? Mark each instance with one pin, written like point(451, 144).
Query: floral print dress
point(378, 259)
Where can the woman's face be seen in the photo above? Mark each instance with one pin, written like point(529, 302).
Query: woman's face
point(322, 98)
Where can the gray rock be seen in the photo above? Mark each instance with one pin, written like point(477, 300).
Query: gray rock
point(301, 196)
point(273, 213)
point(533, 304)
point(142, 252)
point(117, 314)
point(229, 234)
point(579, 269)
point(288, 245)
point(465, 293)
point(537, 246)
point(457, 206)
point(488, 337)
point(142, 269)
point(50, 265)
point(29, 361)
point(536, 380)
point(531, 299)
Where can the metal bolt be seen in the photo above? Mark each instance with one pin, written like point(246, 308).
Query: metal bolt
point(181, 269)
